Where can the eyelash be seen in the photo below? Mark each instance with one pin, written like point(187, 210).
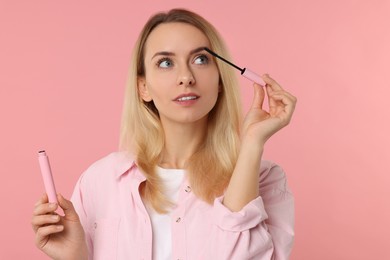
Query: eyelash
point(206, 60)
point(158, 63)
point(204, 57)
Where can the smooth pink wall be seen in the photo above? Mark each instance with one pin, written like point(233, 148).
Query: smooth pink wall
point(63, 67)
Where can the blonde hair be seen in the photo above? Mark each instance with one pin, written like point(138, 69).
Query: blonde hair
point(210, 168)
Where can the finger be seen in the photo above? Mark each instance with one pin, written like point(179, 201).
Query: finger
point(67, 206)
point(284, 93)
point(43, 232)
point(43, 199)
point(43, 220)
point(46, 208)
point(288, 104)
point(272, 102)
point(287, 96)
point(258, 96)
point(271, 82)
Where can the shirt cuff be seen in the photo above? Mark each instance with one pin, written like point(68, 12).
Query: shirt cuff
point(248, 217)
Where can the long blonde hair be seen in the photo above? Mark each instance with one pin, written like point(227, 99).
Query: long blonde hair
point(210, 168)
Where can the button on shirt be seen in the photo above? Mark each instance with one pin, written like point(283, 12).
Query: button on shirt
point(117, 224)
point(162, 223)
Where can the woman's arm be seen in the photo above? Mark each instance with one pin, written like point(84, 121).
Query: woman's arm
point(263, 229)
point(259, 125)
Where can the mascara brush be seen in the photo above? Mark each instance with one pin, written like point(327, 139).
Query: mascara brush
point(247, 73)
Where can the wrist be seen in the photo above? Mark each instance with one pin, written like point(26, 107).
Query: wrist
point(251, 151)
point(253, 144)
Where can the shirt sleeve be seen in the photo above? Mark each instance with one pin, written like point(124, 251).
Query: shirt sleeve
point(78, 200)
point(264, 228)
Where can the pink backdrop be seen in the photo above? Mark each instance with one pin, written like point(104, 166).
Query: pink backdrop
point(63, 67)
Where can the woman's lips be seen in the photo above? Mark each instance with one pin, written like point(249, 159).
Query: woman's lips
point(186, 99)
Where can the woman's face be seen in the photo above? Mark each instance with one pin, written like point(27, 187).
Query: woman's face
point(180, 77)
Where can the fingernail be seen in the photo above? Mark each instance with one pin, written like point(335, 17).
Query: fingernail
point(52, 205)
point(55, 217)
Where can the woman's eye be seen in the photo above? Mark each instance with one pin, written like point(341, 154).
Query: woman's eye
point(201, 59)
point(164, 63)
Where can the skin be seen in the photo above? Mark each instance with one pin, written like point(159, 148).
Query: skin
point(173, 67)
point(60, 237)
point(259, 125)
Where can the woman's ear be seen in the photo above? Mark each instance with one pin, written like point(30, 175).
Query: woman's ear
point(143, 89)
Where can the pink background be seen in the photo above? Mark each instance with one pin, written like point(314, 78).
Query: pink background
point(63, 66)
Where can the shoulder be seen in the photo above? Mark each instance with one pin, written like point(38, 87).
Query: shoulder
point(98, 187)
point(111, 165)
point(113, 160)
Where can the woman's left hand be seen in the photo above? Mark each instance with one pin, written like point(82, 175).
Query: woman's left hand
point(259, 125)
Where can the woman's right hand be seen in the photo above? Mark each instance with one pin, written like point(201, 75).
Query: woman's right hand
point(60, 237)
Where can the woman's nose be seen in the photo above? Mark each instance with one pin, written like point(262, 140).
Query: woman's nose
point(186, 77)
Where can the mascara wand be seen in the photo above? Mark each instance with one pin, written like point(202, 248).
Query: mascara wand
point(247, 73)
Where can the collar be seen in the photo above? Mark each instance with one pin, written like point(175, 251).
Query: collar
point(124, 162)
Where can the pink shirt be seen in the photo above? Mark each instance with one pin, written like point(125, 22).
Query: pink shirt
point(117, 225)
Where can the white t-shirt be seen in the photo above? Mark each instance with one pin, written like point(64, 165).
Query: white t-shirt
point(161, 223)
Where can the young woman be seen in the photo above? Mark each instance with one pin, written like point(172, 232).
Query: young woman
point(189, 182)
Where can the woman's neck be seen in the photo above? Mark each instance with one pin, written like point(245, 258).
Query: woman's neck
point(181, 142)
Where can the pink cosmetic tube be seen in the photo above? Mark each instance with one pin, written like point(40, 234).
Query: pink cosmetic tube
point(252, 76)
point(47, 176)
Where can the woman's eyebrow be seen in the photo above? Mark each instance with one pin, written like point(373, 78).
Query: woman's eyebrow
point(167, 53)
point(197, 50)
point(163, 53)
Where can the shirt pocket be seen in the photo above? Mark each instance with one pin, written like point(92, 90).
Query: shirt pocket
point(105, 238)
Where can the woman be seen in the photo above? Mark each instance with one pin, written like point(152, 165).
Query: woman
point(190, 182)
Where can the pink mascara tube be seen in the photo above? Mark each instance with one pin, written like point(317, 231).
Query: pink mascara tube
point(47, 176)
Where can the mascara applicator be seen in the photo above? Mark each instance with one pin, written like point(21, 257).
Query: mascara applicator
point(247, 73)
